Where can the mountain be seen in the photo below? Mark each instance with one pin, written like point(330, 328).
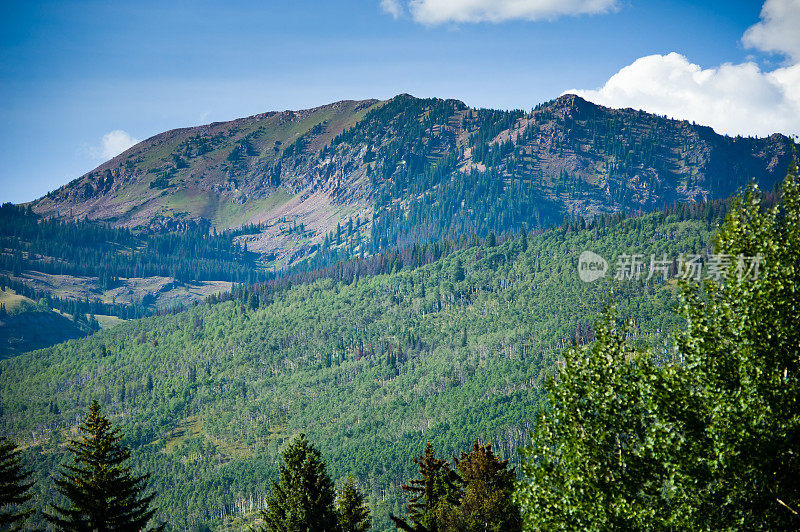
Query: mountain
point(189, 212)
point(407, 170)
point(450, 344)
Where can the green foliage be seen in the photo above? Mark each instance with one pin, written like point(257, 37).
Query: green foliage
point(432, 495)
point(604, 454)
point(487, 485)
point(458, 271)
point(707, 442)
point(101, 492)
point(15, 488)
point(742, 338)
point(303, 499)
point(474, 496)
point(372, 365)
point(352, 509)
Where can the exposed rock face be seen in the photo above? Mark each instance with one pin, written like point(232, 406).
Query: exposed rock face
point(408, 165)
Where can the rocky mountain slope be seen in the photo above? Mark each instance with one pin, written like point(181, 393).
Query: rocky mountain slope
point(404, 170)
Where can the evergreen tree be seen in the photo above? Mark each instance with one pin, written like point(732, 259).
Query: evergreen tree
point(14, 487)
point(352, 509)
point(486, 500)
point(458, 271)
point(303, 499)
point(102, 493)
point(434, 495)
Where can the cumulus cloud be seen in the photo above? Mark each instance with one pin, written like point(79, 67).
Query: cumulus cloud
point(112, 144)
point(779, 29)
point(733, 99)
point(443, 11)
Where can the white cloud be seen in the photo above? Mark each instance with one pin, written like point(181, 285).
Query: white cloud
point(112, 144)
point(393, 7)
point(733, 99)
point(443, 11)
point(779, 29)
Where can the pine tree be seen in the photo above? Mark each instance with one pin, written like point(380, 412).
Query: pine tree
point(102, 493)
point(486, 501)
point(303, 499)
point(14, 488)
point(352, 509)
point(434, 495)
point(458, 271)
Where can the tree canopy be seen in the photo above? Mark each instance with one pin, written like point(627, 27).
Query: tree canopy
point(15, 487)
point(102, 493)
point(707, 442)
point(303, 498)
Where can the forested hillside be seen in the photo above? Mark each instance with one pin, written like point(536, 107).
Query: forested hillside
point(89, 268)
point(370, 367)
point(26, 325)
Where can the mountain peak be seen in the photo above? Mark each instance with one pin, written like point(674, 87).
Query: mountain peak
point(374, 162)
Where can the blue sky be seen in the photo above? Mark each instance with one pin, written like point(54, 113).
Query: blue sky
point(72, 73)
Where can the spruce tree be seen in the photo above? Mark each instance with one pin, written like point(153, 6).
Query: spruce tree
point(102, 493)
point(458, 271)
point(434, 495)
point(14, 487)
point(352, 509)
point(303, 498)
point(486, 500)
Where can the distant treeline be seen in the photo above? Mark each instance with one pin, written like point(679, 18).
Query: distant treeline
point(81, 308)
point(416, 255)
point(87, 248)
point(92, 249)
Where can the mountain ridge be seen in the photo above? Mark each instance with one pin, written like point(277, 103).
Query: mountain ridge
point(402, 166)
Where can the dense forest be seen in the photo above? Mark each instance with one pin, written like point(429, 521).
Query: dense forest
point(92, 249)
point(370, 366)
point(680, 415)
